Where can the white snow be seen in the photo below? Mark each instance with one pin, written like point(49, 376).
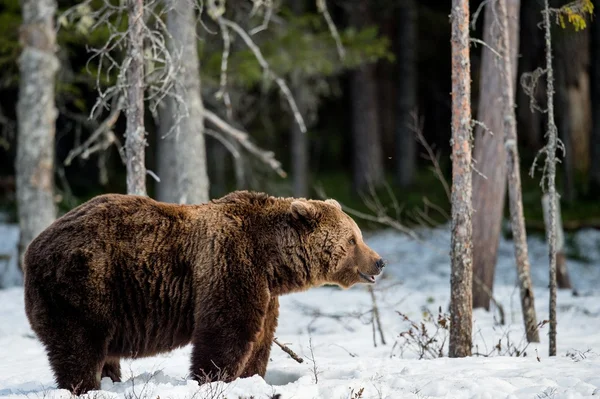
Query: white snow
point(337, 324)
point(10, 275)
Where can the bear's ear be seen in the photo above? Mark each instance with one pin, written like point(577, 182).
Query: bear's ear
point(333, 202)
point(302, 210)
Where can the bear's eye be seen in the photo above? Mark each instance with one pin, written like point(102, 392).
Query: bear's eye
point(352, 241)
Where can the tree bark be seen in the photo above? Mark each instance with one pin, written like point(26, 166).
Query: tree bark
point(562, 274)
point(406, 145)
point(36, 115)
point(573, 102)
point(594, 176)
point(135, 134)
point(551, 179)
point(531, 43)
point(300, 152)
point(166, 157)
point(367, 154)
point(190, 147)
point(489, 153)
point(513, 165)
point(461, 252)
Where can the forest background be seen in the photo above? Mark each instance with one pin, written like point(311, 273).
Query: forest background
point(377, 116)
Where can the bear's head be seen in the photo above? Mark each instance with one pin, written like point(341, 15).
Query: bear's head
point(335, 243)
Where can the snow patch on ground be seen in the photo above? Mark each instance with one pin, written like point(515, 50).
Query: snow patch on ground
point(337, 326)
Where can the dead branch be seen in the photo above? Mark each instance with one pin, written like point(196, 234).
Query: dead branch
point(267, 157)
point(268, 4)
point(417, 128)
point(216, 13)
point(312, 359)
point(287, 350)
point(88, 147)
point(376, 318)
point(322, 7)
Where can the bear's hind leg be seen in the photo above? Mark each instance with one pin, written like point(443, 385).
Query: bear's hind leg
point(76, 357)
point(257, 363)
point(112, 369)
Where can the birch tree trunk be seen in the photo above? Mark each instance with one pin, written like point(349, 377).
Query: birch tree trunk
point(514, 175)
point(135, 134)
point(367, 154)
point(190, 147)
point(406, 145)
point(36, 115)
point(550, 177)
point(461, 252)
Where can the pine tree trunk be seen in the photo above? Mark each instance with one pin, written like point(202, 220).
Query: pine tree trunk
point(190, 148)
point(300, 153)
point(513, 166)
point(36, 115)
point(562, 275)
point(135, 134)
point(490, 156)
point(367, 154)
point(461, 252)
point(406, 148)
point(166, 157)
point(530, 55)
point(594, 176)
point(551, 179)
point(573, 102)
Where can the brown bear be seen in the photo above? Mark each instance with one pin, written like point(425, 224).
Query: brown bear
point(125, 276)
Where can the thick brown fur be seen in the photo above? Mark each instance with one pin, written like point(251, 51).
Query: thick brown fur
point(124, 276)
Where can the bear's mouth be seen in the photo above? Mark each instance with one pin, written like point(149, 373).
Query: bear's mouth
point(367, 277)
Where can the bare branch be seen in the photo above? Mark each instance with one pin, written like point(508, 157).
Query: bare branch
point(287, 350)
point(322, 7)
point(267, 157)
point(417, 128)
point(88, 147)
point(217, 14)
point(268, 4)
point(479, 41)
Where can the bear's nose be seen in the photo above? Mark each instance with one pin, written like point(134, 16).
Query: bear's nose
point(380, 263)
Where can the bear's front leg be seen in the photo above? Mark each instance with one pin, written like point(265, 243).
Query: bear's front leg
point(257, 363)
point(227, 328)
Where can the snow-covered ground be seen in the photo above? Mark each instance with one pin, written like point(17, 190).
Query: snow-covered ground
point(337, 326)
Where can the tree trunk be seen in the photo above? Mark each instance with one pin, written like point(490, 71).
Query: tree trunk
point(551, 179)
point(573, 102)
point(166, 157)
point(367, 155)
point(461, 252)
point(300, 153)
point(135, 134)
point(513, 165)
point(490, 155)
point(562, 275)
point(594, 176)
point(192, 176)
point(36, 115)
point(406, 145)
point(530, 123)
